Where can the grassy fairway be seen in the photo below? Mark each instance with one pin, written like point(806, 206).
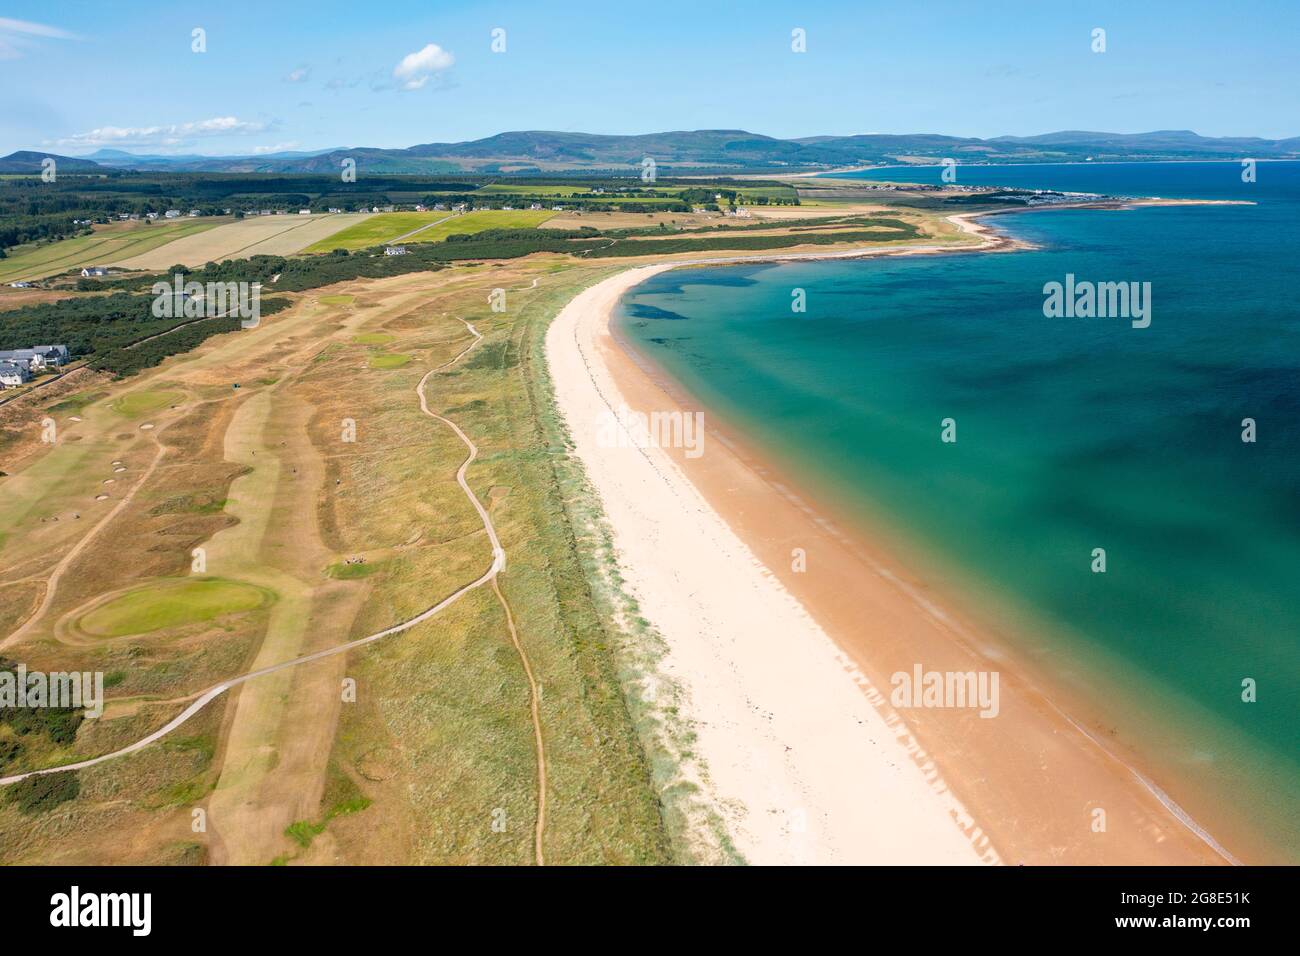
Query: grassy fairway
point(136, 404)
point(386, 361)
point(170, 604)
point(435, 760)
point(388, 226)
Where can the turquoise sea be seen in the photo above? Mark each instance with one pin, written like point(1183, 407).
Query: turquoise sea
point(1072, 434)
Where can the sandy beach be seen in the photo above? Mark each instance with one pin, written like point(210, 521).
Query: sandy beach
point(786, 669)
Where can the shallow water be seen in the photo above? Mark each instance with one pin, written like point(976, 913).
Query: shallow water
point(1072, 434)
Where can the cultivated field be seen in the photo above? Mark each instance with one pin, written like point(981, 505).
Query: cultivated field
point(378, 229)
point(389, 226)
point(576, 219)
point(251, 236)
point(107, 245)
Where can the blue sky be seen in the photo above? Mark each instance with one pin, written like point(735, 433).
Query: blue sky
point(282, 74)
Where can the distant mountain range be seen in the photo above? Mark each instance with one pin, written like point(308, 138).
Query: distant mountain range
point(716, 151)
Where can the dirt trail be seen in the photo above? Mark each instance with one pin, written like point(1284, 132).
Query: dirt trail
point(534, 702)
point(52, 585)
point(498, 564)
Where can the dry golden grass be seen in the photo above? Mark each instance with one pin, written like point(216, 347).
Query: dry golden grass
point(254, 235)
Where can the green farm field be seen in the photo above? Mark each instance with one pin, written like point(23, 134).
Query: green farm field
point(103, 247)
point(387, 227)
point(502, 189)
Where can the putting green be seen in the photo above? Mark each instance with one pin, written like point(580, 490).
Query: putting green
point(336, 300)
point(135, 404)
point(170, 603)
point(350, 572)
point(372, 338)
point(389, 361)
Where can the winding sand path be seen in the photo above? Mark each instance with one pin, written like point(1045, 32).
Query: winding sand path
point(207, 696)
point(61, 568)
point(203, 698)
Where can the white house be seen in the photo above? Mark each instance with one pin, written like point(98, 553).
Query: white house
point(20, 285)
point(172, 214)
point(12, 375)
point(394, 250)
point(304, 212)
point(90, 272)
point(36, 359)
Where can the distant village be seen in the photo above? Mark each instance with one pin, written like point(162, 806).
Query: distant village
point(171, 214)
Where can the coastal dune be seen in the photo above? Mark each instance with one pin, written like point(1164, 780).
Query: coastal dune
point(786, 675)
point(808, 771)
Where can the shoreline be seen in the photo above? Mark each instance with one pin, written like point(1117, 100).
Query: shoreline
point(998, 801)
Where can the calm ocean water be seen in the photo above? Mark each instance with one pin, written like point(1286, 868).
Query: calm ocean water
point(1072, 434)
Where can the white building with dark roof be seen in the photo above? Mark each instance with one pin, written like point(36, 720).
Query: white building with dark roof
point(12, 375)
point(36, 359)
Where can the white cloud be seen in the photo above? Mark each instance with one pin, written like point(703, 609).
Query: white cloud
point(277, 148)
point(416, 69)
point(18, 36)
point(298, 75)
point(174, 134)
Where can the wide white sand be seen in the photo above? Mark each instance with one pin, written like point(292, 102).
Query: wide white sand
point(804, 767)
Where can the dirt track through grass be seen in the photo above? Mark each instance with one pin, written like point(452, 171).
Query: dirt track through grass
point(498, 564)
